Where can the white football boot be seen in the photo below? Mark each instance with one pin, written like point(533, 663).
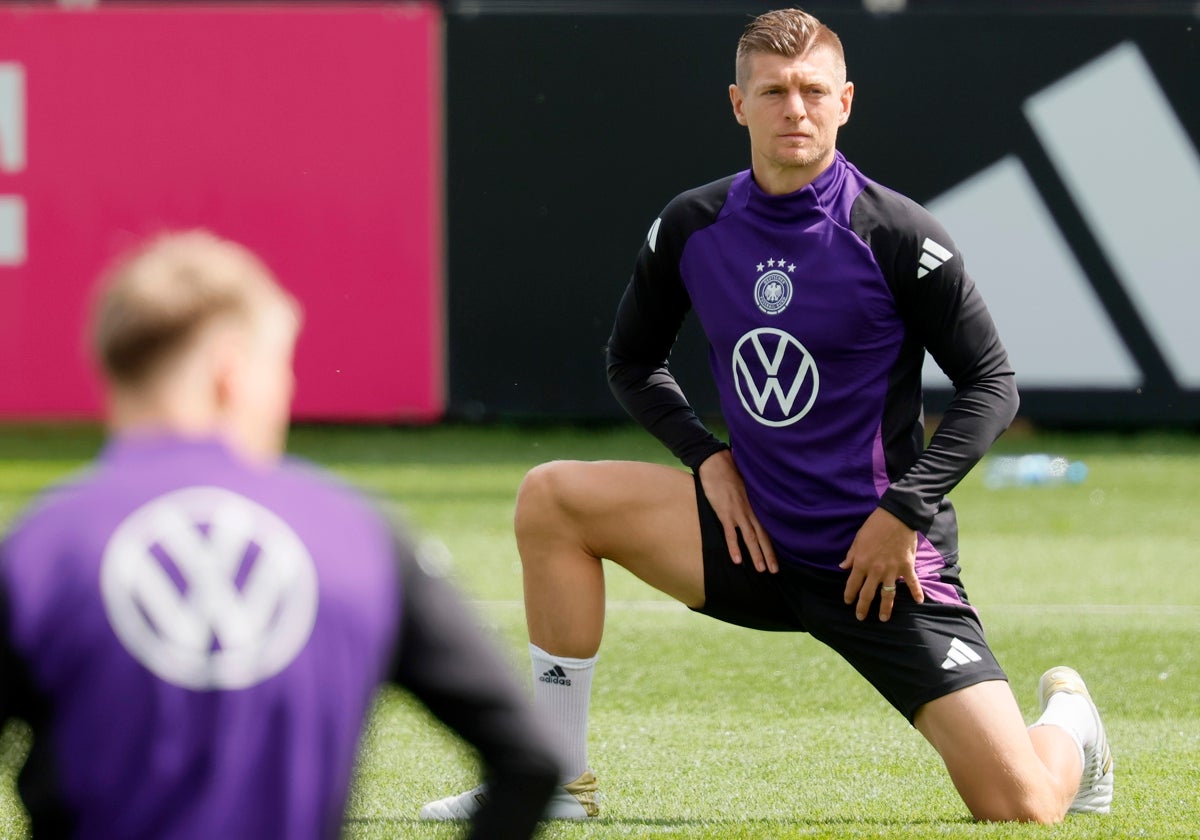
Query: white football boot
point(573, 801)
point(1096, 784)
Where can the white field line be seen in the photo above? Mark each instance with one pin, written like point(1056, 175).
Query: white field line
point(610, 606)
point(1186, 610)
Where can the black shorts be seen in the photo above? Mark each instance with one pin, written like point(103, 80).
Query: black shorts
point(923, 652)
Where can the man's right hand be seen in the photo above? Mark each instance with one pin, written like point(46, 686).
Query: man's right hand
point(726, 493)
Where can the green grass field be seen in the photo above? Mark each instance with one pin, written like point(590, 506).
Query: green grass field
point(708, 731)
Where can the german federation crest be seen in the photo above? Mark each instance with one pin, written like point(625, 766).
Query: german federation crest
point(773, 290)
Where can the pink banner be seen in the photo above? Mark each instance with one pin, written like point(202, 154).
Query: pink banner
point(311, 134)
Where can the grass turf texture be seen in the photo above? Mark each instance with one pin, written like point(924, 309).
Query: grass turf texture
point(701, 730)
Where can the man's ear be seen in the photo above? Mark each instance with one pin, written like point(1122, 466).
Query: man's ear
point(225, 354)
point(737, 100)
point(847, 101)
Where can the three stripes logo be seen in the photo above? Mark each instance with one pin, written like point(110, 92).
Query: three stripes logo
point(932, 256)
point(959, 654)
point(1048, 223)
point(555, 676)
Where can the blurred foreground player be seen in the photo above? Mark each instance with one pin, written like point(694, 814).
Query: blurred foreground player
point(195, 628)
point(819, 292)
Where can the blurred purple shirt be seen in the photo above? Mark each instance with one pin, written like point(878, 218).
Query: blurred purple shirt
point(206, 637)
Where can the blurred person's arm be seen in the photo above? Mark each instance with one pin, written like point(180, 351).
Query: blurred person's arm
point(15, 690)
point(38, 784)
point(448, 663)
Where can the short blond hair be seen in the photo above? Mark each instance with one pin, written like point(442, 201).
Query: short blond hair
point(789, 33)
point(156, 299)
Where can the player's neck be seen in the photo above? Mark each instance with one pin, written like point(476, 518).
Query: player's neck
point(169, 406)
point(774, 179)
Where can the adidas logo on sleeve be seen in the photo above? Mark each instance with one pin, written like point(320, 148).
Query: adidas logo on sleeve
point(555, 676)
point(932, 256)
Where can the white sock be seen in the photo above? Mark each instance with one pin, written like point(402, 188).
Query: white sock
point(562, 690)
point(1072, 713)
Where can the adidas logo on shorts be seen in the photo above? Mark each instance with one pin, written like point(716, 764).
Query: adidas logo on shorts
point(555, 676)
point(959, 654)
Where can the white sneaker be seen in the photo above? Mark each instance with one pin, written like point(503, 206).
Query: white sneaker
point(573, 801)
point(1096, 784)
point(460, 807)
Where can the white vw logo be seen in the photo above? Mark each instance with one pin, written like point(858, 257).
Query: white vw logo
point(208, 589)
point(753, 362)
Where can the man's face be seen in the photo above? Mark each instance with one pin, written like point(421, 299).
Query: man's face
point(793, 108)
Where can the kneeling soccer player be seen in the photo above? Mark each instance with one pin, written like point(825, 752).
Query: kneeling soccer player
point(819, 292)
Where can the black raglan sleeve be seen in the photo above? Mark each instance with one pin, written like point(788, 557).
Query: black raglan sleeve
point(38, 784)
point(17, 696)
point(450, 665)
point(647, 325)
point(943, 312)
point(9, 667)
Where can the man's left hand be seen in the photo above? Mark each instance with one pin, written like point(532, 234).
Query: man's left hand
point(882, 557)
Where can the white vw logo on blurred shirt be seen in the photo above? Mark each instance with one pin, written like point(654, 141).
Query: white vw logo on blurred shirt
point(208, 589)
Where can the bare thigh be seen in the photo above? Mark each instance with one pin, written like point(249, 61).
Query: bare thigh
point(641, 516)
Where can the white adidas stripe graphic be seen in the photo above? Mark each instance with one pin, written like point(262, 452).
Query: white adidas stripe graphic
point(959, 654)
point(932, 256)
point(652, 236)
point(1149, 251)
point(999, 217)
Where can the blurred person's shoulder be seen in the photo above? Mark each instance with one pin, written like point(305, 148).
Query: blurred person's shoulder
point(311, 476)
point(336, 496)
point(54, 504)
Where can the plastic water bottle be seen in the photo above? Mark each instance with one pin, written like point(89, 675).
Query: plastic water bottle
point(1034, 469)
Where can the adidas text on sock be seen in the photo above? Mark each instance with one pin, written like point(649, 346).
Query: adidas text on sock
point(562, 689)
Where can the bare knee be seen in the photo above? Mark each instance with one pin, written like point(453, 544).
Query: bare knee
point(1018, 806)
point(1001, 787)
point(641, 516)
point(980, 735)
point(543, 500)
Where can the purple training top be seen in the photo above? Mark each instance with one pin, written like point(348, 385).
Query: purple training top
point(208, 637)
point(818, 307)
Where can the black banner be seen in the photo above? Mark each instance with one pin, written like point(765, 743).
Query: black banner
point(567, 133)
